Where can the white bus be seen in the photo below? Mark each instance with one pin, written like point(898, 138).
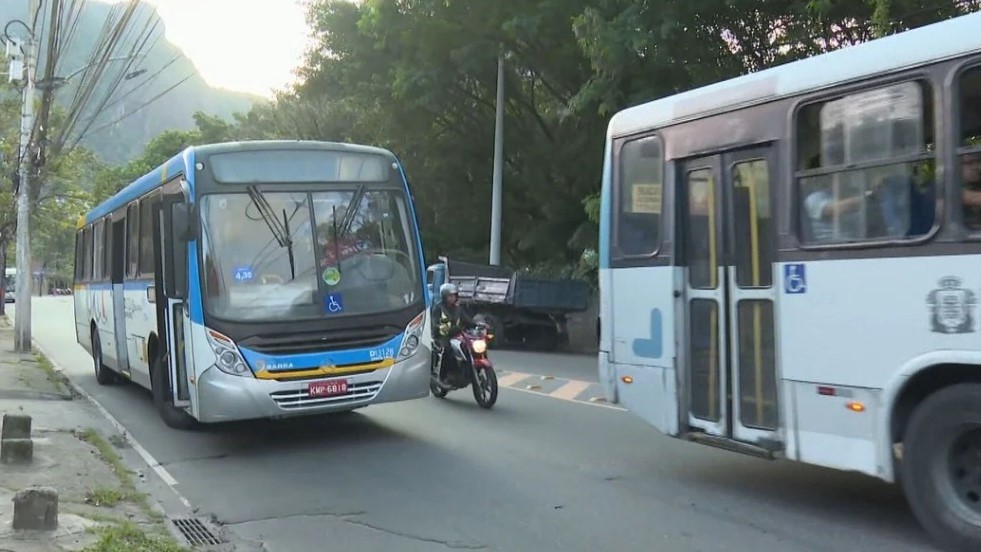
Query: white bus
point(258, 279)
point(790, 266)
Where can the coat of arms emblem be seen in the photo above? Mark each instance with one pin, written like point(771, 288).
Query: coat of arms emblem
point(952, 307)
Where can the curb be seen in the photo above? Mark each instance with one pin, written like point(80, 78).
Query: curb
point(150, 461)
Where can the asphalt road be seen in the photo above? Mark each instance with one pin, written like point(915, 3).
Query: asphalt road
point(535, 473)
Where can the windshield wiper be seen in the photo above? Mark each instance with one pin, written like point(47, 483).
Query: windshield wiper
point(337, 251)
point(280, 231)
point(352, 209)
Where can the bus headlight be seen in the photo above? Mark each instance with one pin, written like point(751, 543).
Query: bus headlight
point(479, 346)
point(229, 360)
point(413, 334)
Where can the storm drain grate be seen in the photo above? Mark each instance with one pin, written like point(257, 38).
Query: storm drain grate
point(195, 531)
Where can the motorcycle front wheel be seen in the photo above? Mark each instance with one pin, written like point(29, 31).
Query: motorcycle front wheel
point(485, 388)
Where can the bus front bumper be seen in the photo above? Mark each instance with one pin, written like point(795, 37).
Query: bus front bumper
point(226, 398)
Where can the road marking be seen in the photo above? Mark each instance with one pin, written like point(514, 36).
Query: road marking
point(511, 379)
point(144, 454)
point(574, 391)
point(600, 405)
point(570, 390)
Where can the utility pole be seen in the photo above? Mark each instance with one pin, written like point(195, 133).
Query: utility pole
point(25, 276)
point(495, 238)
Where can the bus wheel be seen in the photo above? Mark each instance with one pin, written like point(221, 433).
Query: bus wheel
point(103, 374)
point(172, 416)
point(941, 468)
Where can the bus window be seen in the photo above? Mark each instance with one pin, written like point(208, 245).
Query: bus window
point(100, 251)
point(754, 225)
point(885, 138)
point(132, 240)
point(107, 249)
point(79, 252)
point(700, 232)
point(87, 254)
point(639, 190)
point(970, 144)
point(147, 263)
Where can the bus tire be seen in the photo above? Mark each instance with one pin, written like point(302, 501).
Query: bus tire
point(172, 416)
point(103, 374)
point(939, 490)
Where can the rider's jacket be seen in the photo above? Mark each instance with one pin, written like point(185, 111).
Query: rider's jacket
point(450, 319)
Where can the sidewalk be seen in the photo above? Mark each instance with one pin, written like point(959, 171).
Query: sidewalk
point(102, 505)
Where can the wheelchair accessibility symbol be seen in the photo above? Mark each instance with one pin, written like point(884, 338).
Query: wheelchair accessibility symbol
point(794, 279)
point(334, 303)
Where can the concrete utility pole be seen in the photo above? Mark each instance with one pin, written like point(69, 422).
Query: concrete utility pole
point(25, 276)
point(495, 238)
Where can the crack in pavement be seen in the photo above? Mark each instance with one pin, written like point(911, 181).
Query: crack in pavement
point(346, 518)
point(456, 545)
point(314, 513)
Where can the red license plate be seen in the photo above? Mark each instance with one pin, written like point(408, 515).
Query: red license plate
point(328, 388)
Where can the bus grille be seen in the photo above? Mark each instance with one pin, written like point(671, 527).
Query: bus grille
point(300, 399)
point(291, 344)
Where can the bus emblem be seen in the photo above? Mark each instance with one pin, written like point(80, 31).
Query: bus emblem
point(952, 307)
point(263, 365)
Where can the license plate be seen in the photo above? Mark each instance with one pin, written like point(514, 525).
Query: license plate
point(328, 388)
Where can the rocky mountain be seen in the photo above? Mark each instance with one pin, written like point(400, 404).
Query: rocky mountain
point(143, 105)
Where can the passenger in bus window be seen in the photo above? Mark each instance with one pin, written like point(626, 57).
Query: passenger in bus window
point(822, 207)
point(971, 194)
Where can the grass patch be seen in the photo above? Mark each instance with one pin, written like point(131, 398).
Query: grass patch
point(54, 376)
point(127, 537)
point(105, 496)
point(128, 490)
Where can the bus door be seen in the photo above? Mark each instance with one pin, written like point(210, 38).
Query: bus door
point(727, 246)
point(172, 224)
point(116, 271)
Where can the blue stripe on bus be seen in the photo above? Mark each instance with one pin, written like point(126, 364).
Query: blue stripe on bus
point(195, 299)
point(416, 230)
point(606, 208)
point(289, 363)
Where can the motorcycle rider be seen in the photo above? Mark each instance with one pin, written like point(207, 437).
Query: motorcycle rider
point(449, 319)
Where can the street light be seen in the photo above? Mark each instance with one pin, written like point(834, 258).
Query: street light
point(57, 82)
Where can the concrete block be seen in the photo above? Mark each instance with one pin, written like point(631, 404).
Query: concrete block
point(16, 451)
point(16, 426)
point(36, 509)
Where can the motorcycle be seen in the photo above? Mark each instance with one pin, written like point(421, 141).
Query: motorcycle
point(475, 370)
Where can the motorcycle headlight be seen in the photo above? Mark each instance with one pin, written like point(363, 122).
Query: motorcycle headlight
point(413, 333)
point(229, 359)
point(479, 346)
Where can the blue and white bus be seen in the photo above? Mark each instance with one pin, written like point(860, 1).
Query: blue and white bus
point(258, 280)
point(789, 266)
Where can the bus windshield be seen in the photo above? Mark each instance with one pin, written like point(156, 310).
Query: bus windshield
point(349, 252)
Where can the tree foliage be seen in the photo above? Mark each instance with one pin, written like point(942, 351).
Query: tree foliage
point(166, 145)
point(419, 77)
point(57, 195)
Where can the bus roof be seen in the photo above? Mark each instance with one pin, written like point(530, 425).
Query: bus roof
point(938, 41)
point(185, 158)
